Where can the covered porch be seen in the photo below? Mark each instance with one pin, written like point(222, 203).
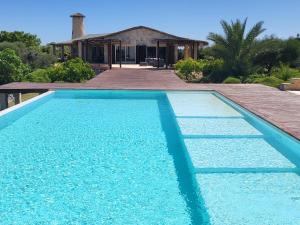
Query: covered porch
point(104, 53)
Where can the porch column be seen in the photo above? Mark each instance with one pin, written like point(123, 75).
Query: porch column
point(17, 98)
point(157, 54)
point(192, 50)
point(186, 51)
point(120, 54)
point(62, 53)
point(110, 55)
point(175, 53)
point(167, 55)
point(195, 51)
point(3, 101)
point(86, 51)
point(79, 45)
point(53, 49)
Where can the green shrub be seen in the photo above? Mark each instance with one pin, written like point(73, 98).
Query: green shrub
point(252, 77)
point(187, 67)
point(11, 67)
point(285, 72)
point(37, 59)
point(76, 70)
point(214, 70)
point(211, 69)
point(232, 80)
point(39, 75)
point(269, 81)
point(56, 72)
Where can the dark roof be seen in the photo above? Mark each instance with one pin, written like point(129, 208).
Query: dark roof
point(107, 35)
point(77, 15)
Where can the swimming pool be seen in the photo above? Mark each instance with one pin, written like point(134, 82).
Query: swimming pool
point(144, 157)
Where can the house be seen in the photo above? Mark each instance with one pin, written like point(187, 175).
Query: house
point(131, 46)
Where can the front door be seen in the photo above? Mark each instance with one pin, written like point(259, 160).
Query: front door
point(140, 53)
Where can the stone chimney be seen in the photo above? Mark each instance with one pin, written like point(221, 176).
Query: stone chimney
point(77, 25)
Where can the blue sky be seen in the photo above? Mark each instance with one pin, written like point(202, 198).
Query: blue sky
point(190, 18)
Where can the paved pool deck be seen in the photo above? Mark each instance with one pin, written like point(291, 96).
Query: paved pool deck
point(280, 108)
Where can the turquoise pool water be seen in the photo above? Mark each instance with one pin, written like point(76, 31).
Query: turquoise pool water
point(145, 157)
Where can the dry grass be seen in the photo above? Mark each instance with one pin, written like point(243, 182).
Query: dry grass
point(25, 97)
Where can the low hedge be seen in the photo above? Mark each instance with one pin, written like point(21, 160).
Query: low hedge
point(74, 70)
point(232, 80)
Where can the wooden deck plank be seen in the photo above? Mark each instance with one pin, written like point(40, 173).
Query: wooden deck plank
point(280, 108)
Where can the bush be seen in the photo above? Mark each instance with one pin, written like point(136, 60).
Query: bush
point(39, 75)
point(37, 59)
point(211, 69)
point(188, 67)
point(214, 70)
point(76, 70)
point(232, 80)
point(269, 81)
point(11, 67)
point(285, 72)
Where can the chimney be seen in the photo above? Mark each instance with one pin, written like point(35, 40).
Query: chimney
point(77, 25)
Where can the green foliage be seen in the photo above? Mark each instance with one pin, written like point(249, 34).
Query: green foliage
point(271, 52)
point(213, 70)
point(187, 67)
point(235, 46)
point(285, 73)
point(31, 56)
point(29, 40)
point(74, 70)
point(11, 67)
point(269, 81)
point(232, 80)
point(290, 52)
point(252, 77)
point(36, 59)
point(39, 75)
point(19, 47)
point(268, 53)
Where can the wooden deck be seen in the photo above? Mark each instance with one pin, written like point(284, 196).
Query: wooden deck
point(280, 108)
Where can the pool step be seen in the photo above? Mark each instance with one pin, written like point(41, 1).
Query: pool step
point(251, 198)
point(246, 170)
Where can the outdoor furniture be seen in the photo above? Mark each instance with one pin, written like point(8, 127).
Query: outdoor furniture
point(154, 62)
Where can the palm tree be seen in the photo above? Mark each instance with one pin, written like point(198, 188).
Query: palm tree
point(235, 46)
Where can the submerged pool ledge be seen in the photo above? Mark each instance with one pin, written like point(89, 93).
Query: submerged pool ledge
point(246, 170)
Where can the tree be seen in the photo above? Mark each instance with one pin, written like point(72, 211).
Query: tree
point(235, 46)
point(30, 40)
point(291, 51)
point(11, 67)
point(271, 52)
point(268, 53)
point(32, 56)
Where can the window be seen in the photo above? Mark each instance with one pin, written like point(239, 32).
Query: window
point(128, 54)
point(151, 52)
